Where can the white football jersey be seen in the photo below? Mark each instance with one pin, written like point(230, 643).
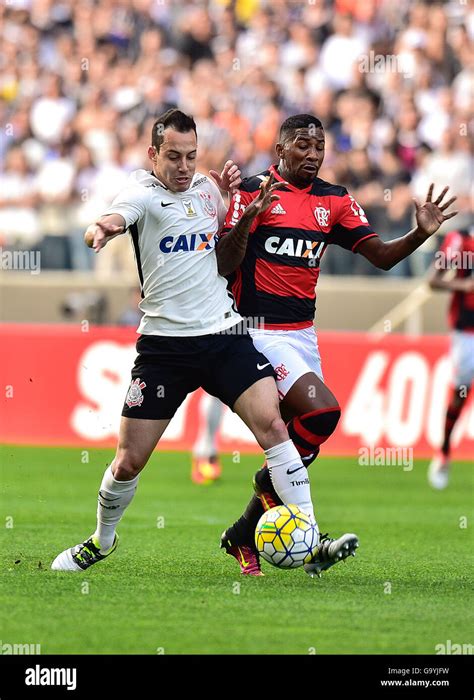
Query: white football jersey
point(174, 239)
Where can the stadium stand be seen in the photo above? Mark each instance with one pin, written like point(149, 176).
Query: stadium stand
point(82, 81)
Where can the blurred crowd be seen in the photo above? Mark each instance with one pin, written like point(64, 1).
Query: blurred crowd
point(81, 82)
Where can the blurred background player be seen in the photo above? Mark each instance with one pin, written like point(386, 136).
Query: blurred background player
point(206, 467)
point(453, 272)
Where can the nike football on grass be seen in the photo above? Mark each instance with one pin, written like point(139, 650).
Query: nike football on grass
point(82, 556)
point(331, 552)
point(246, 555)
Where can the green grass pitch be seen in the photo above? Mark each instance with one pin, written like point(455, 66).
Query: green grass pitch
point(169, 589)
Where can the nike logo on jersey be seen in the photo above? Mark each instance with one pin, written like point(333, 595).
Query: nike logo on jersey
point(262, 366)
point(292, 471)
point(166, 204)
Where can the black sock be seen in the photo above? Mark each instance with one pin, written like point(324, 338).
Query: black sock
point(243, 530)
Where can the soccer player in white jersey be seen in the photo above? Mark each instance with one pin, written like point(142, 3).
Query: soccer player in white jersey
point(189, 333)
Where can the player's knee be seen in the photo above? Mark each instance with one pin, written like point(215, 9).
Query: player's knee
point(322, 422)
point(275, 431)
point(329, 420)
point(312, 429)
point(127, 466)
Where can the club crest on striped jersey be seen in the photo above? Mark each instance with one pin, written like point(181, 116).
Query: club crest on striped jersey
point(135, 395)
point(322, 216)
point(207, 204)
point(188, 207)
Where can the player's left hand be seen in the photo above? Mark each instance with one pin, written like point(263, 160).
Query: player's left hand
point(430, 216)
point(229, 179)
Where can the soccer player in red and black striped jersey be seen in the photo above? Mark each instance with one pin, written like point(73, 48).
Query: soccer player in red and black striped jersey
point(277, 228)
point(453, 271)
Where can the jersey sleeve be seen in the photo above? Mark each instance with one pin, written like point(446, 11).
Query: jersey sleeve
point(351, 225)
point(130, 203)
point(240, 200)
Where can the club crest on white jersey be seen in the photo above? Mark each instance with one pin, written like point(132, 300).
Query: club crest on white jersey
point(207, 204)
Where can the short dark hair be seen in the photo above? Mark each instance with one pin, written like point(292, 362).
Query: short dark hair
point(298, 121)
point(175, 119)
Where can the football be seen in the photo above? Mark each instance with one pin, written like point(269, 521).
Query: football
point(286, 537)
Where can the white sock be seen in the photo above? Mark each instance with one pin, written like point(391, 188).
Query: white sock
point(291, 487)
point(210, 410)
point(114, 497)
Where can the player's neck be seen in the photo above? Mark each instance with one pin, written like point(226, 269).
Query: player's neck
point(285, 175)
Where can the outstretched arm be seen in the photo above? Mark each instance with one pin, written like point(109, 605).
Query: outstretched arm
point(103, 230)
point(429, 218)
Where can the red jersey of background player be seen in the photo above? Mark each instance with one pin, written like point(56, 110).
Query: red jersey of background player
point(458, 247)
point(277, 278)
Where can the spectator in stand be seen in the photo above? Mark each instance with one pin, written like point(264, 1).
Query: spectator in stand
point(18, 199)
point(82, 82)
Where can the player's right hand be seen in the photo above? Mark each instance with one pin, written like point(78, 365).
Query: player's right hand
point(97, 235)
point(265, 196)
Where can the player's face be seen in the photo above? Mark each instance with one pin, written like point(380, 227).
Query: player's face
point(175, 163)
point(301, 156)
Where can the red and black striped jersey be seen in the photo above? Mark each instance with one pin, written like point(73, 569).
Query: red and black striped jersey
point(277, 278)
point(458, 253)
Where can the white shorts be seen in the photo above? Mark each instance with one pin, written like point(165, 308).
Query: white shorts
point(292, 354)
point(462, 350)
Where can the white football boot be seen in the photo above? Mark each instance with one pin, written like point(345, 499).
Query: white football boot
point(331, 552)
point(438, 471)
point(82, 556)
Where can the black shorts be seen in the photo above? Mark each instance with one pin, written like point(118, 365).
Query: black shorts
point(167, 369)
